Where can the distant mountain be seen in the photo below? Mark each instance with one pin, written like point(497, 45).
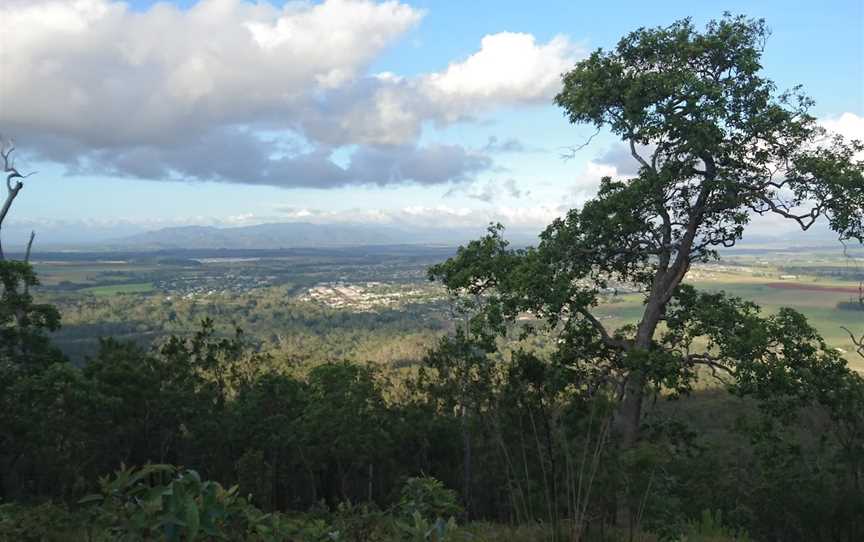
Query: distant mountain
point(288, 235)
point(306, 235)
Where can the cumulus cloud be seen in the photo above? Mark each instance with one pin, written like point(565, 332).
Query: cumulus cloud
point(509, 68)
point(97, 72)
point(241, 156)
point(588, 181)
point(181, 93)
point(618, 156)
point(849, 125)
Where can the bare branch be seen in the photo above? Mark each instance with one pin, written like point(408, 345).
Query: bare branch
point(570, 152)
point(714, 364)
point(637, 156)
point(857, 341)
point(12, 189)
point(608, 340)
point(804, 220)
point(27, 258)
point(29, 247)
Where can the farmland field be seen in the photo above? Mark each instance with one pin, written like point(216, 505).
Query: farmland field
point(338, 293)
point(816, 297)
point(134, 288)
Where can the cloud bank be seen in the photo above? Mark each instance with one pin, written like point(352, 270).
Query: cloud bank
point(243, 92)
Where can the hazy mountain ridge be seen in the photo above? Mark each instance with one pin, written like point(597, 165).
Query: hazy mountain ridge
point(288, 235)
point(309, 235)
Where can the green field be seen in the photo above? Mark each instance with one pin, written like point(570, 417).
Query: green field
point(820, 307)
point(264, 294)
point(114, 289)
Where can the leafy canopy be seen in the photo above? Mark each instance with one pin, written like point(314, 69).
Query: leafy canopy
point(715, 144)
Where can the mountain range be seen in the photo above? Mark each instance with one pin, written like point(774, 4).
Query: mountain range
point(290, 235)
point(307, 235)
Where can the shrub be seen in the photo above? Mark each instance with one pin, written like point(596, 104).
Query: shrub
point(710, 528)
point(167, 503)
point(47, 522)
point(429, 498)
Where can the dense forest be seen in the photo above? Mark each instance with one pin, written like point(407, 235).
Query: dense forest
point(706, 420)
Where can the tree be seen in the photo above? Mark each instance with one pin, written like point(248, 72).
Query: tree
point(715, 144)
point(21, 320)
point(12, 188)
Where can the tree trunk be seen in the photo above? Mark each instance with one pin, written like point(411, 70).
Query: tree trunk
point(466, 463)
point(629, 414)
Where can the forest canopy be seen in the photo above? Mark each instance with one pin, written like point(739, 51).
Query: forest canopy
point(531, 417)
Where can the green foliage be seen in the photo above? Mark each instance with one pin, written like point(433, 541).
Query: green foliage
point(429, 498)
point(47, 522)
point(714, 143)
point(710, 528)
point(419, 529)
point(23, 323)
point(533, 408)
point(255, 477)
point(172, 504)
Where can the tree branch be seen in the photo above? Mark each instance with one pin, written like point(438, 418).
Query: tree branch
point(857, 341)
point(712, 363)
point(805, 220)
point(29, 247)
point(608, 340)
point(570, 152)
point(12, 190)
point(638, 157)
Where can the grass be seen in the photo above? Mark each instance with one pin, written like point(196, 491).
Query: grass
point(114, 289)
point(820, 307)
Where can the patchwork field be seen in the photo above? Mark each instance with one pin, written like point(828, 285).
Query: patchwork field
point(817, 297)
point(163, 288)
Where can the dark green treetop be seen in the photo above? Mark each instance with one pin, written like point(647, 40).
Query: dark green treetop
point(715, 143)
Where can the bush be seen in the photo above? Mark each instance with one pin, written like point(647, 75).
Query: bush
point(429, 498)
point(710, 528)
point(47, 522)
point(167, 503)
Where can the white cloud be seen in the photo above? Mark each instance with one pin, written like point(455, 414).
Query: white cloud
point(171, 93)
point(98, 72)
point(533, 217)
point(509, 68)
point(849, 125)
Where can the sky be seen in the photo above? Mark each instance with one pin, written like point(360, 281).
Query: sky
point(139, 115)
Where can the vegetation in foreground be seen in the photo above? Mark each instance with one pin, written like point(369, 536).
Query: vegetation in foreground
point(603, 437)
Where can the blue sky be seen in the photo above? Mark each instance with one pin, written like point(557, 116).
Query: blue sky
point(426, 113)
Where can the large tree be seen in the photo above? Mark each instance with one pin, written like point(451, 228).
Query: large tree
point(14, 185)
point(715, 144)
point(22, 321)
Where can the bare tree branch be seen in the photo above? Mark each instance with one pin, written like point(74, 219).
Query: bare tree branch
point(29, 247)
point(27, 258)
point(714, 364)
point(570, 152)
point(857, 341)
point(12, 189)
point(608, 340)
point(805, 220)
point(637, 156)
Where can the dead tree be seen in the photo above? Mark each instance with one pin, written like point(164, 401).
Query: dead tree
point(14, 184)
point(857, 341)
